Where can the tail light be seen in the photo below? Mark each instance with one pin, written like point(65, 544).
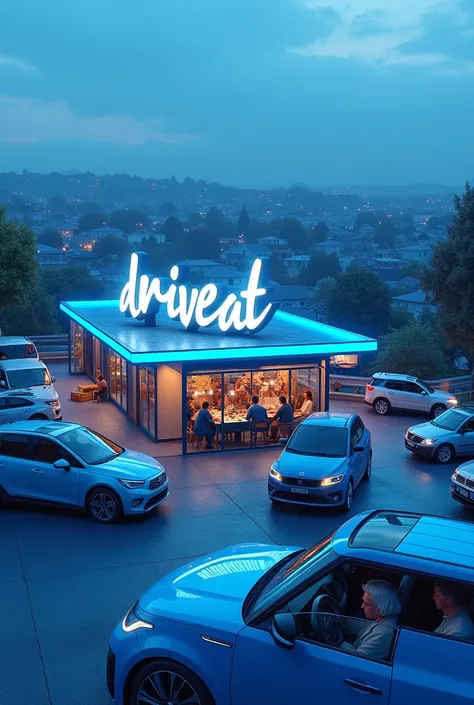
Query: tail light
point(369, 388)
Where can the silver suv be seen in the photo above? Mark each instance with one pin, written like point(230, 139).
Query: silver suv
point(387, 391)
point(25, 406)
point(450, 434)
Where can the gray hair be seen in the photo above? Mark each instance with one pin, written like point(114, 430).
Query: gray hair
point(385, 597)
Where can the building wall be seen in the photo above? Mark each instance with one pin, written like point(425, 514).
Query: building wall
point(170, 401)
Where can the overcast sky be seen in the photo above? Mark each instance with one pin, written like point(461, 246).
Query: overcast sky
point(245, 92)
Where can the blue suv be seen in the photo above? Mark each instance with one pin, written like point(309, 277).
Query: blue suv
point(277, 624)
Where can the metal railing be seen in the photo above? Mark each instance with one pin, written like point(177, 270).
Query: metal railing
point(52, 348)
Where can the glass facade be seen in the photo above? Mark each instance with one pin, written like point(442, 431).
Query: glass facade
point(118, 379)
point(76, 356)
point(147, 404)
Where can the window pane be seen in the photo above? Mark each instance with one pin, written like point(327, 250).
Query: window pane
point(77, 348)
point(204, 388)
point(124, 383)
point(151, 402)
point(18, 402)
point(384, 531)
point(46, 451)
point(14, 446)
point(305, 380)
point(144, 420)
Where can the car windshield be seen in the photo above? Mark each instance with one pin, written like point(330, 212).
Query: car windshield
point(29, 377)
point(288, 574)
point(450, 420)
point(425, 384)
point(310, 439)
point(92, 448)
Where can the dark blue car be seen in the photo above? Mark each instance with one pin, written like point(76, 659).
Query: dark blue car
point(365, 612)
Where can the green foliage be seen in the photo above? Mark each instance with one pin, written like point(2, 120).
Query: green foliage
point(400, 317)
point(200, 243)
point(111, 249)
point(319, 233)
point(277, 270)
point(413, 269)
point(52, 238)
point(243, 224)
point(18, 263)
point(193, 221)
point(385, 232)
point(57, 204)
point(319, 267)
point(91, 221)
point(173, 230)
point(359, 302)
point(291, 229)
point(450, 277)
point(39, 316)
point(70, 283)
point(216, 221)
point(414, 349)
point(128, 220)
point(167, 209)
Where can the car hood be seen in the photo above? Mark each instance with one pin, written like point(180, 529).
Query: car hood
point(132, 465)
point(429, 430)
point(211, 590)
point(467, 469)
point(44, 392)
point(314, 467)
point(442, 395)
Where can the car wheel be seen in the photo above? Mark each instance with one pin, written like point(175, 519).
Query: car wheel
point(437, 410)
point(368, 469)
point(162, 682)
point(444, 453)
point(104, 505)
point(346, 507)
point(382, 406)
point(38, 417)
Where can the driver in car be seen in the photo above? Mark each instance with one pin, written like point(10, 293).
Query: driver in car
point(381, 606)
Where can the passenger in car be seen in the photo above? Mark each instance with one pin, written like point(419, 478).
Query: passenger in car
point(381, 605)
point(451, 599)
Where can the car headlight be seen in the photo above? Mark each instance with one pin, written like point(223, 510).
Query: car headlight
point(331, 480)
point(453, 402)
point(55, 403)
point(274, 472)
point(132, 484)
point(133, 621)
point(454, 475)
point(428, 441)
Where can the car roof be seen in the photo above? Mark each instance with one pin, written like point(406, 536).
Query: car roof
point(328, 418)
point(47, 428)
point(408, 539)
point(14, 340)
point(394, 375)
point(21, 364)
point(16, 393)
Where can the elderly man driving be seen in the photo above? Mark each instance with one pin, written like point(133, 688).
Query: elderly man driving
point(381, 606)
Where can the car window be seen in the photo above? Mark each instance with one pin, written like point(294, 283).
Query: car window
point(441, 608)
point(18, 402)
point(392, 384)
point(313, 439)
point(14, 445)
point(90, 446)
point(376, 382)
point(413, 388)
point(3, 403)
point(29, 377)
point(47, 451)
point(468, 426)
point(357, 431)
point(449, 420)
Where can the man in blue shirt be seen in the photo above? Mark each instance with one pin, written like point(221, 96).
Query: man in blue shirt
point(204, 425)
point(257, 412)
point(283, 415)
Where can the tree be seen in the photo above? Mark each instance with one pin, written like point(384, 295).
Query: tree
point(400, 317)
point(128, 220)
point(365, 218)
point(216, 221)
point(38, 317)
point(57, 204)
point(172, 229)
point(414, 350)
point(111, 248)
point(18, 262)
point(359, 302)
point(291, 229)
point(200, 243)
point(70, 283)
point(167, 209)
point(385, 232)
point(243, 224)
point(277, 270)
point(319, 267)
point(449, 280)
point(319, 232)
point(91, 221)
point(193, 221)
point(52, 238)
point(89, 207)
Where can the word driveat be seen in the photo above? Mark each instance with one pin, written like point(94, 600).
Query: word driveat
point(196, 307)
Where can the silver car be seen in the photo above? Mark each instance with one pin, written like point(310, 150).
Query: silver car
point(445, 437)
point(387, 391)
point(25, 406)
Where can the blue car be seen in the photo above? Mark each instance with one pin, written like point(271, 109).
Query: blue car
point(324, 460)
point(69, 465)
point(276, 625)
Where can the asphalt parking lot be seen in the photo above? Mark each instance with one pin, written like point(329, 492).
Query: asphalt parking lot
point(66, 581)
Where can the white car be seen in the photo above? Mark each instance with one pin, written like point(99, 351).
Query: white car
point(30, 376)
point(387, 391)
point(16, 347)
point(24, 406)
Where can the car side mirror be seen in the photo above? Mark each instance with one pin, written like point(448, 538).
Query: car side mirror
point(62, 464)
point(358, 448)
point(3, 383)
point(425, 394)
point(283, 441)
point(283, 630)
point(53, 380)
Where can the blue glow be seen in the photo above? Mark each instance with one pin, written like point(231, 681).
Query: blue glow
point(224, 354)
point(317, 327)
point(109, 303)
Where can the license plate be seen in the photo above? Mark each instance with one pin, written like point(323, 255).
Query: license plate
point(409, 443)
point(299, 490)
point(462, 492)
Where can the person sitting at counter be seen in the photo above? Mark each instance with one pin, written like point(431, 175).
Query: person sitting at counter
point(204, 425)
point(256, 412)
point(306, 407)
point(283, 415)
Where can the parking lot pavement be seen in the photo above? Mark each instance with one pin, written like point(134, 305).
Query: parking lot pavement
point(66, 581)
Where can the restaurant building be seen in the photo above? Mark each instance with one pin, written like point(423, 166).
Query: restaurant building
point(159, 373)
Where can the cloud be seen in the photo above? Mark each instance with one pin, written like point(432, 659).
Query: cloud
point(370, 32)
point(26, 120)
point(11, 62)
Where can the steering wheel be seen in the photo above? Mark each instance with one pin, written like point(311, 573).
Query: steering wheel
point(337, 589)
point(325, 620)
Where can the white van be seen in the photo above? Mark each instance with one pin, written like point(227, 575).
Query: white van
point(16, 347)
point(30, 376)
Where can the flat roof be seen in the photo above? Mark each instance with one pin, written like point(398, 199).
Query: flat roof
point(286, 335)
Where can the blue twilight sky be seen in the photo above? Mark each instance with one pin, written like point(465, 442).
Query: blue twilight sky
point(245, 92)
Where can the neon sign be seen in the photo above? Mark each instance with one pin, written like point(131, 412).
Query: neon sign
point(196, 307)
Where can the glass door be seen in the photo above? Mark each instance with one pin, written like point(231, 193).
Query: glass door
point(118, 379)
point(147, 391)
point(76, 355)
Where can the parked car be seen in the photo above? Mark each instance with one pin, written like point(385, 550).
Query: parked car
point(387, 391)
point(323, 461)
point(17, 347)
point(29, 376)
point(275, 624)
point(462, 484)
point(24, 406)
point(67, 464)
point(444, 437)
